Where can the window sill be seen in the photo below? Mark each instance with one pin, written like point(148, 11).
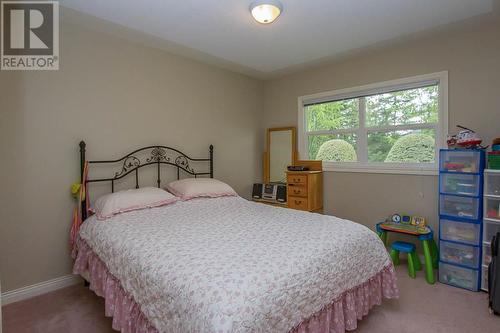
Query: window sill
point(395, 170)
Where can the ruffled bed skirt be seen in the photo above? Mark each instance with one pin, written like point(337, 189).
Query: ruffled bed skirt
point(339, 316)
point(344, 312)
point(126, 313)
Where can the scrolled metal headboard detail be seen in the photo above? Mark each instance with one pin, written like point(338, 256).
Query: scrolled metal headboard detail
point(151, 155)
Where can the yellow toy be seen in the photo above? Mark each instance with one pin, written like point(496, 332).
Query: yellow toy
point(78, 191)
point(75, 191)
point(419, 222)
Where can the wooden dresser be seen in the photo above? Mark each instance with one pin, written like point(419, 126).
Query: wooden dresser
point(305, 190)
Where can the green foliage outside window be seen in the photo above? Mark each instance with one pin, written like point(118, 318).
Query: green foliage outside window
point(412, 148)
point(316, 141)
point(333, 115)
point(383, 111)
point(414, 106)
point(336, 150)
point(381, 143)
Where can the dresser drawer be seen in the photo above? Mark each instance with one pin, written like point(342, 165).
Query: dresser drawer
point(297, 203)
point(297, 191)
point(297, 179)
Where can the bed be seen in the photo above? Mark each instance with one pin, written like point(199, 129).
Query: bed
point(230, 265)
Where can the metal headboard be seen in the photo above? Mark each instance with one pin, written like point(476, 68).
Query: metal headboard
point(142, 157)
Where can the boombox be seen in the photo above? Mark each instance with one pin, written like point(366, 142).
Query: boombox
point(269, 192)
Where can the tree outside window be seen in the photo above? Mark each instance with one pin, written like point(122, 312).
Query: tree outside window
point(393, 127)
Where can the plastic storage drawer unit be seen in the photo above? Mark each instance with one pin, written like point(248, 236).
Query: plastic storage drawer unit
point(490, 230)
point(458, 276)
point(492, 182)
point(469, 233)
point(461, 175)
point(460, 254)
point(484, 282)
point(461, 207)
point(486, 255)
point(492, 208)
point(462, 184)
point(460, 161)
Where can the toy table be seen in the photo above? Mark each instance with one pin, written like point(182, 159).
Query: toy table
point(425, 235)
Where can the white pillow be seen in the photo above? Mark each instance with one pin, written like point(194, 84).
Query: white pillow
point(200, 187)
point(126, 201)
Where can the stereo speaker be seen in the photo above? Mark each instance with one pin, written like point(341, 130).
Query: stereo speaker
point(257, 191)
point(281, 193)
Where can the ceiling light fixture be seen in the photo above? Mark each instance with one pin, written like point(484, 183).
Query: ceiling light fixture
point(266, 11)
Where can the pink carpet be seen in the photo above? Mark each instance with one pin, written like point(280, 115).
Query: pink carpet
point(420, 308)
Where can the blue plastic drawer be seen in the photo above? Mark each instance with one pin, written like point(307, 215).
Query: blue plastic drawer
point(460, 254)
point(460, 161)
point(469, 233)
point(458, 276)
point(461, 207)
point(461, 184)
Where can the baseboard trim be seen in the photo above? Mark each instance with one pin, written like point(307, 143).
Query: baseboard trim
point(23, 293)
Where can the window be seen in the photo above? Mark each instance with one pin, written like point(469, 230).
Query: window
point(395, 127)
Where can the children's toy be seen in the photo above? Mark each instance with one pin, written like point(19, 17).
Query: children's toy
point(460, 167)
point(466, 138)
point(405, 223)
point(459, 209)
point(456, 277)
point(413, 260)
point(494, 159)
point(465, 188)
point(458, 255)
point(452, 166)
point(431, 254)
point(412, 224)
point(457, 233)
point(396, 218)
point(493, 213)
point(406, 219)
point(418, 221)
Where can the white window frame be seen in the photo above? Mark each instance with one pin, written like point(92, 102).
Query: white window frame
point(441, 127)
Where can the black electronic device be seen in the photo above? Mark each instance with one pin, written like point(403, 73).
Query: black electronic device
point(297, 168)
point(269, 192)
point(257, 191)
point(281, 193)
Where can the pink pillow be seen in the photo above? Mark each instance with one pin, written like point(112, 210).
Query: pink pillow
point(200, 187)
point(126, 201)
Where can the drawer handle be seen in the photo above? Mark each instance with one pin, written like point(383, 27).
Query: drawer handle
point(298, 202)
point(296, 191)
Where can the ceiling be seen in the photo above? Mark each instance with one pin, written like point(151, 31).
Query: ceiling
point(305, 32)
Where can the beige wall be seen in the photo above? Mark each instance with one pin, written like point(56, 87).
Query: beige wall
point(471, 54)
point(116, 95)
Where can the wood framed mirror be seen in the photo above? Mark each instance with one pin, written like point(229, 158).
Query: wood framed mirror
point(281, 151)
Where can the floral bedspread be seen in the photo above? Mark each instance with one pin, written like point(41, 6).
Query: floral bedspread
point(231, 265)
